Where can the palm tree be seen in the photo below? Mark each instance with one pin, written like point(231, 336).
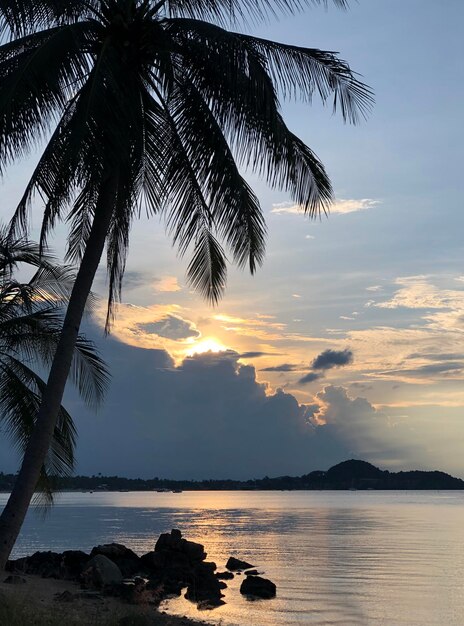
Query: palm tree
point(155, 104)
point(30, 323)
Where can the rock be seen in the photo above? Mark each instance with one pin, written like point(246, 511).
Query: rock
point(65, 596)
point(224, 575)
point(194, 551)
point(208, 605)
point(205, 586)
point(251, 572)
point(45, 564)
point(100, 572)
point(127, 561)
point(152, 561)
point(13, 579)
point(173, 542)
point(72, 564)
point(258, 587)
point(234, 564)
point(66, 566)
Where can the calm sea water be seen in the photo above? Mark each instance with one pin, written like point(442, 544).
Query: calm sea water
point(342, 558)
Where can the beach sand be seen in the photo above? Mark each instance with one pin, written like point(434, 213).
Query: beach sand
point(35, 603)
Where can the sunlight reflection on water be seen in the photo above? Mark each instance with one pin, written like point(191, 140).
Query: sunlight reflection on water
point(336, 557)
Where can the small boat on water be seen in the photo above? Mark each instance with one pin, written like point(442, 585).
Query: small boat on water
point(177, 491)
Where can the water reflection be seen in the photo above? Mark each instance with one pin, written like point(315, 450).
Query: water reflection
point(337, 558)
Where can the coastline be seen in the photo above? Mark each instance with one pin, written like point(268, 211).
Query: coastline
point(38, 603)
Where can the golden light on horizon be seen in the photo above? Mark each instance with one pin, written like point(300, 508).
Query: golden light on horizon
point(208, 344)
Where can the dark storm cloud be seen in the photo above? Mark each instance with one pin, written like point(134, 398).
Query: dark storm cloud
point(332, 358)
point(208, 417)
point(171, 327)
point(285, 367)
point(310, 378)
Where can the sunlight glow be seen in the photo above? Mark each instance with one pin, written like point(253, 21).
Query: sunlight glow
point(206, 345)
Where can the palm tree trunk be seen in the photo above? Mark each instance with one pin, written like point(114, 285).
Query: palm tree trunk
point(16, 508)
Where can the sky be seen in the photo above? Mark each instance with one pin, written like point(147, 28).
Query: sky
point(349, 342)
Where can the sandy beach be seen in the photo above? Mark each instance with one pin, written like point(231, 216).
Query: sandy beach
point(46, 601)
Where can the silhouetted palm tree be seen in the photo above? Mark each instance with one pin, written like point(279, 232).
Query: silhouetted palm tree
point(153, 103)
point(31, 318)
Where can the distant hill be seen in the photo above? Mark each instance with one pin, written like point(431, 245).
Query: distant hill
point(351, 474)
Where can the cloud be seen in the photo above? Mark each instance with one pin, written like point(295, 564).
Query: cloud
point(171, 327)
point(332, 358)
point(417, 292)
point(430, 371)
point(285, 367)
point(155, 326)
point(208, 417)
point(374, 288)
point(310, 378)
point(256, 354)
point(341, 206)
point(444, 356)
point(167, 284)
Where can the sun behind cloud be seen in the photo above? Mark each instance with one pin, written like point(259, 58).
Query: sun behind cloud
point(208, 344)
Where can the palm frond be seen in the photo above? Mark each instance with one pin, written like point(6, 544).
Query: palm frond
point(38, 75)
point(226, 12)
point(242, 98)
point(20, 394)
point(207, 270)
point(235, 210)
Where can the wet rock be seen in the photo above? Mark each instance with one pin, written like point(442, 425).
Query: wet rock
point(258, 587)
point(251, 572)
point(127, 561)
point(234, 564)
point(224, 575)
point(208, 605)
point(205, 586)
point(100, 572)
point(14, 579)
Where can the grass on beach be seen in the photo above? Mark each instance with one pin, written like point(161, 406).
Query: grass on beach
point(19, 609)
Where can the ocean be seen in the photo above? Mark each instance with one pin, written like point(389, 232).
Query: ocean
point(345, 557)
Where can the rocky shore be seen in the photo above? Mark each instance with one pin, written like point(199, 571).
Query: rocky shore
point(173, 567)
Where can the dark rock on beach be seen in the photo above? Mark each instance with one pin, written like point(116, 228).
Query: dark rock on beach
point(174, 565)
point(100, 572)
point(174, 543)
point(234, 564)
point(66, 566)
point(72, 564)
point(45, 564)
point(258, 587)
point(127, 561)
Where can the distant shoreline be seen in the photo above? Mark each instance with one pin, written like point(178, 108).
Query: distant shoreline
point(348, 475)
